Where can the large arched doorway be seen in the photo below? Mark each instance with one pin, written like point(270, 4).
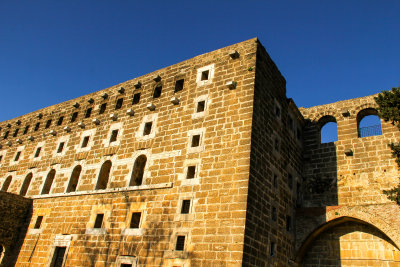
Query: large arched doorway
point(348, 242)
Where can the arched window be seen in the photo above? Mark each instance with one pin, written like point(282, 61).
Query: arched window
point(48, 182)
point(25, 185)
point(73, 181)
point(328, 129)
point(138, 171)
point(104, 175)
point(6, 184)
point(368, 123)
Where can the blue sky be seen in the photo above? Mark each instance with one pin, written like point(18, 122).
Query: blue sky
point(53, 51)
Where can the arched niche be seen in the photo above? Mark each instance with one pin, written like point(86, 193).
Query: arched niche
point(48, 182)
point(25, 184)
point(104, 175)
point(6, 184)
point(138, 171)
point(74, 179)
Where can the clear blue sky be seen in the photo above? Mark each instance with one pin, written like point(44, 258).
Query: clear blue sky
point(53, 51)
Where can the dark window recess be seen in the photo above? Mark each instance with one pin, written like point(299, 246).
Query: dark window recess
point(37, 153)
point(26, 129)
point(103, 108)
point(191, 172)
point(201, 106)
point(136, 99)
point(88, 112)
point(147, 128)
point(114, 135)
point(38, 222)
point(180, 242)
point(74, 116)
point(6, 184)
point(85, 141)
point(48, 123)
point(17, 156)
point(276, 145)
point(185, 206)
point(60, 120)
point(16, 132)
point(179, 85)
point(99, 221)
point(48, 182)
point(157, 91)
point(288, 223)
point(298, 134)
point(135, 220)
point(138, 171)
point(274, 215)
point(118, 104)
point(195, 140)
point(290, 181)
point(275, 181)
point(126, 265)
point(1, 157)
point(73, 181)
point(6, 135)
point(60, 147)
point(277, 111)
point(272, 249)
point(25, 185)
point(37, 125)
point(104, 175)
point(58, 257)
point(204, 75)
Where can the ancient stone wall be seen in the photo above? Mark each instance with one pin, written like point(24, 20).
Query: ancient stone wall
point(15, 215)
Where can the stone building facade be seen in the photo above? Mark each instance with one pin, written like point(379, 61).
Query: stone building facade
point(203, 163)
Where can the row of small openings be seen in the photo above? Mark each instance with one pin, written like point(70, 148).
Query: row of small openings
point(368, 124)
point(118, 105)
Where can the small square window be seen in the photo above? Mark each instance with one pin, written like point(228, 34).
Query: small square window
point(85, 141)
point(179, 85)
point(60, 120)
point(135, 220)
point(119, 102)
point(17, 156)
point(180, 243)
point(147, 128)
point(88, 113)
point(15, 133)
point(37, 153)
point(201, 106)
point(114, 135)
point(136, 99)
point(60, 147)
point(157, 91)
point(74, 116)
point(191, 172)
point(195, 140)
point(99, 221)
point(185, 206)
point(204, 75)
point(272, 249)
point(6, 135)
point(103, 108)
point(26, 129)
point(48, 124)
point(38, 222)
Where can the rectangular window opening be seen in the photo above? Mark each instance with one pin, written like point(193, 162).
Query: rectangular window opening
point(6, 135)
point(191, 172)
point(74, 116)
point(147, 128)
point(60, 147)
point(274, 215)
point(114, 135)
point(15, 133)
point(136, 99)
point(103, 108)
point(37, 153)
point(272, 249)
point(179, 85)
point(17, 156)
point(26, 129)
point(126, 265)
point(201, 106)
point(99, 221)
point(275, 181)
point(157, 91)
point(185, 206)
point(288, 223)
point(88, 113)
point(85, 141)
point(196, 140)
point(58, 257)
point(290, 181)
point(37, 126)
point(48, 123)
point(60, 120)
point(204, 75)
point(135, 219)
point(119, 102)
point(38, 222)
point(180, 243)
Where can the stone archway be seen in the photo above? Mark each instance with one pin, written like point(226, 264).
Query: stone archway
point(347, 241)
